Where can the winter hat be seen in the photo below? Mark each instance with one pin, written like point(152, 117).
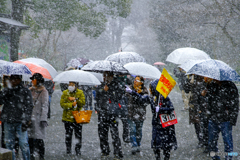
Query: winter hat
point(38, 77)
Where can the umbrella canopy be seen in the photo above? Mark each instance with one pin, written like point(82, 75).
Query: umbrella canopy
point(181, 55)
point(36, 69)
point(143, 69)
point(159, 64)
point(125, 57)
point(102, 66)
point(76, 62)
point(82, 77)
point(42, 63)
point(8, 68)
point(214, 69)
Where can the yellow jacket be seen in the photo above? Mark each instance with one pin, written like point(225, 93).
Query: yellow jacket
point(66, 104)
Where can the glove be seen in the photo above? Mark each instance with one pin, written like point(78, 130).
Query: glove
point(71, 98)
point(157, 108)
point(43, 124)
point(128, 90)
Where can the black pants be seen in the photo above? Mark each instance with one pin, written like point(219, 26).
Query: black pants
point(106, 122)
point(204, 128)
point(126, 133)
point(166, 154)
point(69, 127)
point(37, 145)
point(199, 133)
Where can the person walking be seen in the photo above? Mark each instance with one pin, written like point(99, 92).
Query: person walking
point(16, 114)
point(162, 138)
point(87, 90)
point(223, 108)
point(37, 131)
point(136, 113)
point(72, 99)
point(183, 85)
point(50, 86)
point(195, 107)
point(123, 111)
point(108, 95)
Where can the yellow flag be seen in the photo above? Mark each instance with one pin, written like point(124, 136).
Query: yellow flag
point(165, 84)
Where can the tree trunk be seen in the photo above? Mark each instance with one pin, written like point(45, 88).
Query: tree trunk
point(17, 14)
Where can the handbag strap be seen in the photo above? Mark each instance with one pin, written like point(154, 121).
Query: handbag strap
point(37, 98)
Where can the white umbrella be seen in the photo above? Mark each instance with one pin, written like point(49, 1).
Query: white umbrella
point(143, 69)
point(42, 63)
point(181, 55)
point(125, 57)
point(82, 77)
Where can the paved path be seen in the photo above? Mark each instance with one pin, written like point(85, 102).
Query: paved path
point(187, 140)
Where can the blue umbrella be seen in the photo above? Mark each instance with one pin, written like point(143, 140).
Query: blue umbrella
point(214, 69)
point(8, 68)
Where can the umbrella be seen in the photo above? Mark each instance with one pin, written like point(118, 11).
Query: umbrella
point(42, 63)
point(76, 62)
point(82, 77)
point(143, 69)
point(8, 68)
point(214, 69)
point(125, 57)
point(102, 66)
point(36, 69)
point(181, 55)
point(159, 64)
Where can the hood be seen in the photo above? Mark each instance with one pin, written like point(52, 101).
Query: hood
point(154, 85)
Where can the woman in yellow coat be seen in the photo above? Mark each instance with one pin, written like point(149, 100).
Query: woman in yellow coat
point(72, 99)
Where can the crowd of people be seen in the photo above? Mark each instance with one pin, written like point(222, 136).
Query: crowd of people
point(213, 108)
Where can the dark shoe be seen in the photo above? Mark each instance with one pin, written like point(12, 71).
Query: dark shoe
point(118, 157)
point(103, 155)
point(134, 150)
point(32, 157)
point(78, 153)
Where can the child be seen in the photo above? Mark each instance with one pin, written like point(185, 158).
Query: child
point(162, 138)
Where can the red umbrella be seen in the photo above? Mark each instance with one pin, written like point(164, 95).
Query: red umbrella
point(34, 68)
point(159, 63)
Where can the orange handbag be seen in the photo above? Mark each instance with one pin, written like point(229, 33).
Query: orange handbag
point(82, 116)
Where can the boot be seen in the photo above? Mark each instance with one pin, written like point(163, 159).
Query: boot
point(157, 154)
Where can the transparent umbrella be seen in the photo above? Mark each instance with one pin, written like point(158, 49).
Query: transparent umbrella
point(82, 77)
point(143, 69)
point(8, 68)
point(102, 66)
point(181, 55)
point(125, 57)
point(211, 68)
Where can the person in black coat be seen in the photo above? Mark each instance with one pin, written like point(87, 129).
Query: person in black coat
point(108, 96)
point(16, 114)
point(162, 138)
point(223, 108)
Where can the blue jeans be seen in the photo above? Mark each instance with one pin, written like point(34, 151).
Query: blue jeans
point(135, 132)
point(226, 129)
point(15, 129)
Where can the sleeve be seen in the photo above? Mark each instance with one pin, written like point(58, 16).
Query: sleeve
point(28, 106)
point(233, 102)
point(44, 102)
point(168, 106)
point(64, 102)
point(81, 99)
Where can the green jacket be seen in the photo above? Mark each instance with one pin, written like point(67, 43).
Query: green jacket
point(66, 104)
